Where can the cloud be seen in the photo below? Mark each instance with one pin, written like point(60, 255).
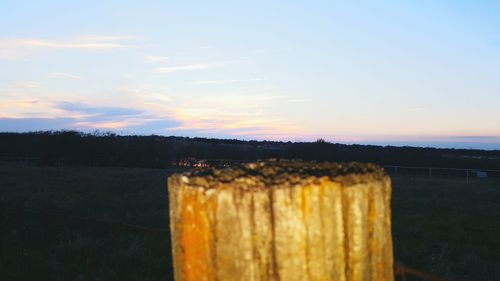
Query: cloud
point(45, 124)
point(39, 43)
point(412, 109)
point(102, 124)
point(155, 59)
point(187, 67)
point(233, 115)
point(25, 115)
point(101, 111)
point(24, 106)
point(152, 111)
point(196, 66)
point(109, 117)
point(157, 125)
point(161, 97)
point(15, 48)
point(35, 124)
point(8, 90)
point(485, 139)
point(105, 37)
point(264, 51)
point(227, 81)
point(64, 75)
point(297, 100)
point(26, 84)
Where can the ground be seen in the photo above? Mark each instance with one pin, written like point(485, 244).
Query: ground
point(79, 223)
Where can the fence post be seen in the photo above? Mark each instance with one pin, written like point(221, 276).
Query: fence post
point(288, 220)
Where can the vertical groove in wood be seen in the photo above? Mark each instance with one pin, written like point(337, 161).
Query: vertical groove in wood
point(274, 265)
point(290, 240)
point(378, 211)
point(356, 206)
point(228, 230)
point(317, 228)
point(244, 201)
point(262, 236)
point(334, 230)
point(387, 268)
point(315, 244)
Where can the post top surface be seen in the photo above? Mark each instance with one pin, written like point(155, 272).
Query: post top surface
point(273, 173)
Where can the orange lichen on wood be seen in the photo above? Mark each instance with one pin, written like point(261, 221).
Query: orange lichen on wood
point(195, 240)
point(282, 221)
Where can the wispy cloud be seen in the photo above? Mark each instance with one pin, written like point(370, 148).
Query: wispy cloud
point(26, 84)
point(24, 124)
point(297, 100)
point(187, 67)
point(27, 107)
point(111, 117)
point(227, 81)
point(8, 90)
point(492, 139)
point(101, 111)
point(155, 59)
point(15, 48)
point(196, 66)
point(233, 115)
point(161, 97)
point(102, 125)
point(264, 51)
point(106, 37)
point(40, 43)
point(153, 111)
point(412, 109)
point(35, 124)
point(64, 75)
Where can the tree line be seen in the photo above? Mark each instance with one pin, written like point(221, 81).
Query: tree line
point(109, 149)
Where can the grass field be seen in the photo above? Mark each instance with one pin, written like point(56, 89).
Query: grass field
point(441, 225)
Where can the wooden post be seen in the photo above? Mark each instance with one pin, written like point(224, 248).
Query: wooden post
point(284, 220)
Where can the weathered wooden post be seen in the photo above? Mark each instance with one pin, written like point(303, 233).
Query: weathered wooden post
point(282, 221)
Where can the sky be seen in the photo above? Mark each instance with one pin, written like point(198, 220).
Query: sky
point(424, 73)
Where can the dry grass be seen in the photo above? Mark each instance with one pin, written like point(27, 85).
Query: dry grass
point(448, 227)
point(443, 225)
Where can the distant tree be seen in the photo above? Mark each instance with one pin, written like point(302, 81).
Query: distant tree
point(321, 140)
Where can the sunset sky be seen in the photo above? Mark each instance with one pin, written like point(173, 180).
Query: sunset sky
point(423, 73)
